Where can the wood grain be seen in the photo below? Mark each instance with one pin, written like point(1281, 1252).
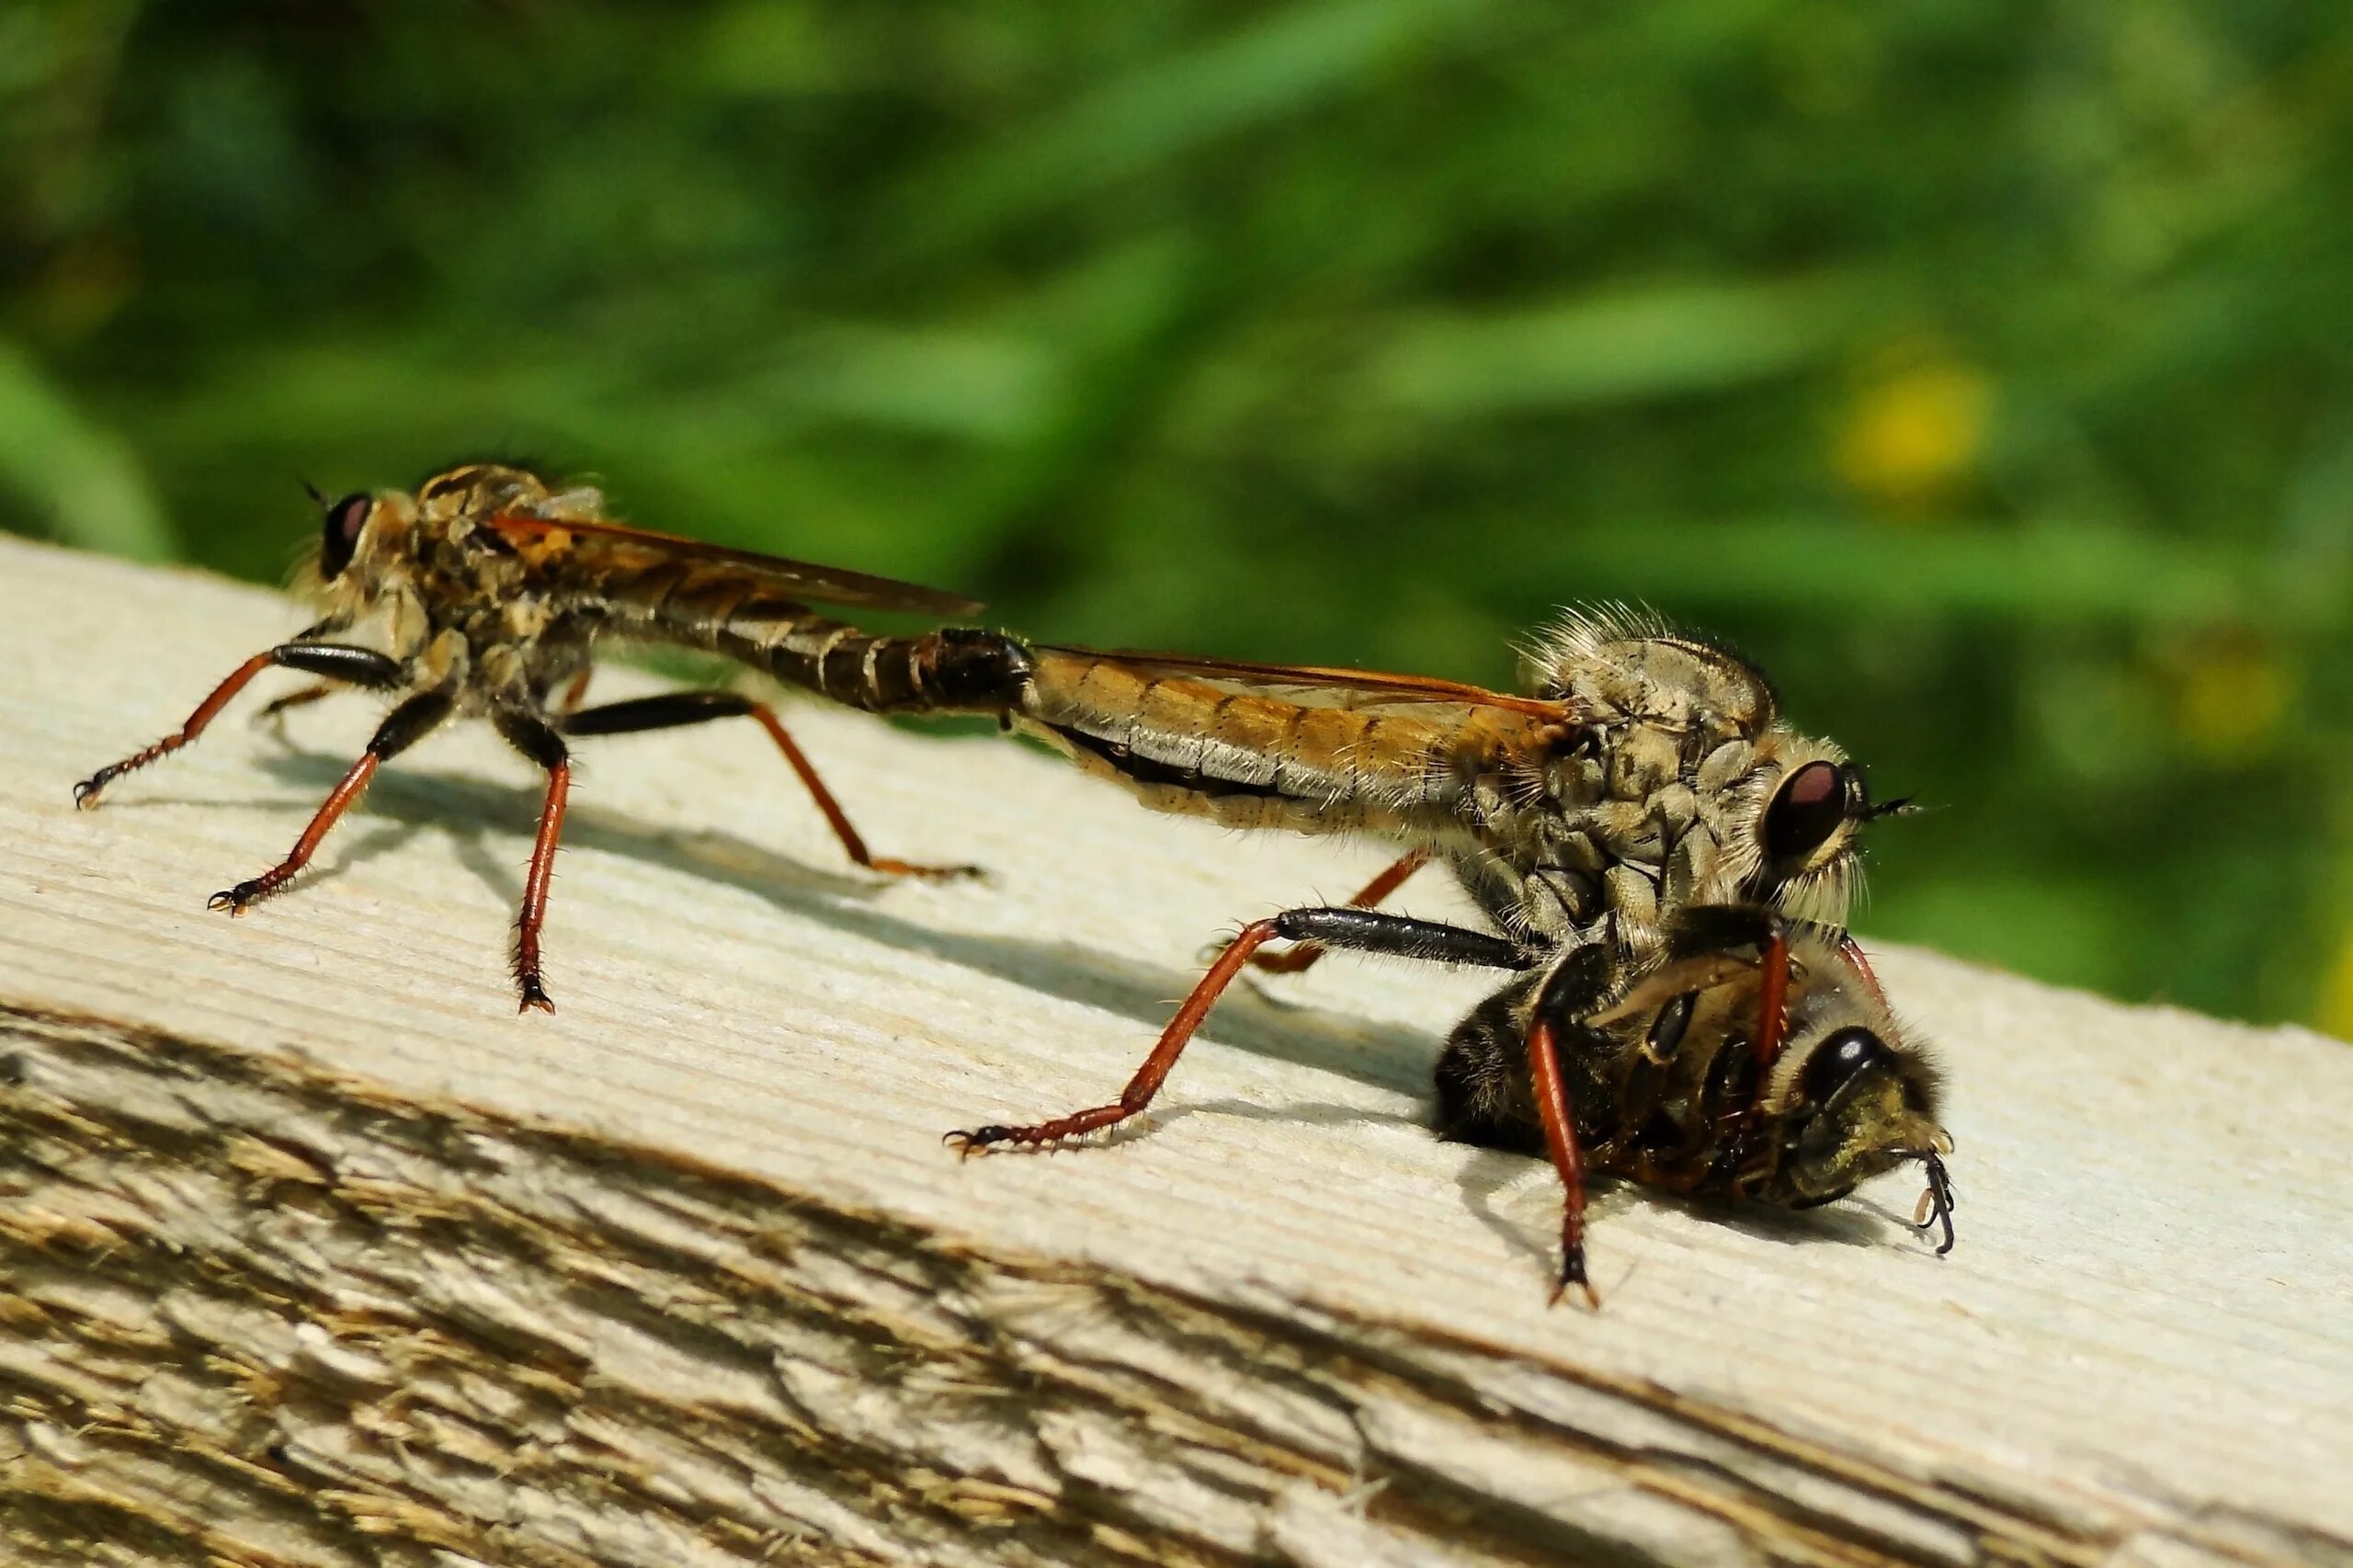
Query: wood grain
point(314, 1253)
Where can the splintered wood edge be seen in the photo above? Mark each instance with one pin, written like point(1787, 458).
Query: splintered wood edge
point(263, 1313)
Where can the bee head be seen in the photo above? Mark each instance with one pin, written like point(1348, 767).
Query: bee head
point(1849, 1097)
point(1858, 1110)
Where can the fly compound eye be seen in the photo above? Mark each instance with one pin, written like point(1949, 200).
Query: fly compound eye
point(1836, 1061)
point(344, 521)
point(1810, 806)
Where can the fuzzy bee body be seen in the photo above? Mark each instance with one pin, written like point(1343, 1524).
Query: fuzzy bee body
point(1665, 1080)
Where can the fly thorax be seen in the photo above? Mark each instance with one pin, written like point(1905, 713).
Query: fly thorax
point(447, 660)
point(1643, 761)
point(525, 615)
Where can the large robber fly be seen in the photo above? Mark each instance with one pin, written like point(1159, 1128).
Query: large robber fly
point(489, 591)
point(1647, 773)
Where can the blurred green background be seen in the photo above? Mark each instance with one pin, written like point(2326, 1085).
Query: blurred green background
point(1983, 368)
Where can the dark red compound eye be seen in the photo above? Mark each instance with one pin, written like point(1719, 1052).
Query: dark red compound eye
point(344, 521)
point(1812, 804)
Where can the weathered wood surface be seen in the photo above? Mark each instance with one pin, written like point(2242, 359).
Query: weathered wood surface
point(314, 1253)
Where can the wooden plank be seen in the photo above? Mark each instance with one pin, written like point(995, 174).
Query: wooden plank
point(315, 1253)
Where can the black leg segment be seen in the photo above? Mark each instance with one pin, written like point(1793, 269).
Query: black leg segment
point(1400, 937)
point(670, 711)
point(339, 661)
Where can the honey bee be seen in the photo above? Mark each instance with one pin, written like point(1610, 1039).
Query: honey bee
point(490, 591)
point(1753, 1057)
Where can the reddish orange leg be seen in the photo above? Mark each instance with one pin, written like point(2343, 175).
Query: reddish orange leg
point(1361, 930)
point(245, 895)
point(530, 734)
point(1852, 951)
point(302, 699)
point(1561, 1142)
point(674, 710)
point(576, 691)
point(534, 912)
point(85, 793)
point(835, 818)
point(356, 666)
point(1148, 1077)
point(1766, 1041)
point(1302, 956)
point(402, 728)
point(1772, 1006)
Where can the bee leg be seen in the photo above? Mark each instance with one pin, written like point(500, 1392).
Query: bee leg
point(402, 728)
point(1302, 957)
point(531, 735)
point(675, 710)
point(336, 661)
point(1365, 930)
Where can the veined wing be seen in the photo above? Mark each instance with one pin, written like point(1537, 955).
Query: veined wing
point(1319, 686)
point(610, 555)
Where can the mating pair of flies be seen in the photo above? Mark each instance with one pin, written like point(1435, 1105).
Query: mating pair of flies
point(1664, 865)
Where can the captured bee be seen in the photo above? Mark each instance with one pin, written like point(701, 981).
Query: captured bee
point(1753, 1057)
point(490, 591)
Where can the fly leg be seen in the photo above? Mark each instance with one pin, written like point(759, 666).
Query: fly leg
point(402, 728)
point(576, 691)
point(1302, 957)
point(531, 735)
point(676, 709)
point(1364, 930)
point(277, 705)
point(338, 662)
point(1563, 995)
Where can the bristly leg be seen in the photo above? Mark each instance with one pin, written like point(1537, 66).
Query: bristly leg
point(402, 728)
point(529, 734)
point(278, 707)
point(1303, 957)
point(675, 710)
point(1559, 1121)
point(335, 660)
point(1363, 930)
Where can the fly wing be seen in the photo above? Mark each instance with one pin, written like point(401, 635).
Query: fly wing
point(1317, 686)
point(609, 558)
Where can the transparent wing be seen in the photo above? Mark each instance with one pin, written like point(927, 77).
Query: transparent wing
point(610, 556)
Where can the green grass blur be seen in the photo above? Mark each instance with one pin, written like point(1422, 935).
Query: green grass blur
point(1985, 369)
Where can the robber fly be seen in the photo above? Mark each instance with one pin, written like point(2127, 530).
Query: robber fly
point(490, 591)
point(1646, 775)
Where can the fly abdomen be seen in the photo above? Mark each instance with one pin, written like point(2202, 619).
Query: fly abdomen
point(955, 670)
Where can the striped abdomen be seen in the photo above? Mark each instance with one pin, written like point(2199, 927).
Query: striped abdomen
point(1248, 760)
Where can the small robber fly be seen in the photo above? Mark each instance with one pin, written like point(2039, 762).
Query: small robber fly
point(490, 591)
